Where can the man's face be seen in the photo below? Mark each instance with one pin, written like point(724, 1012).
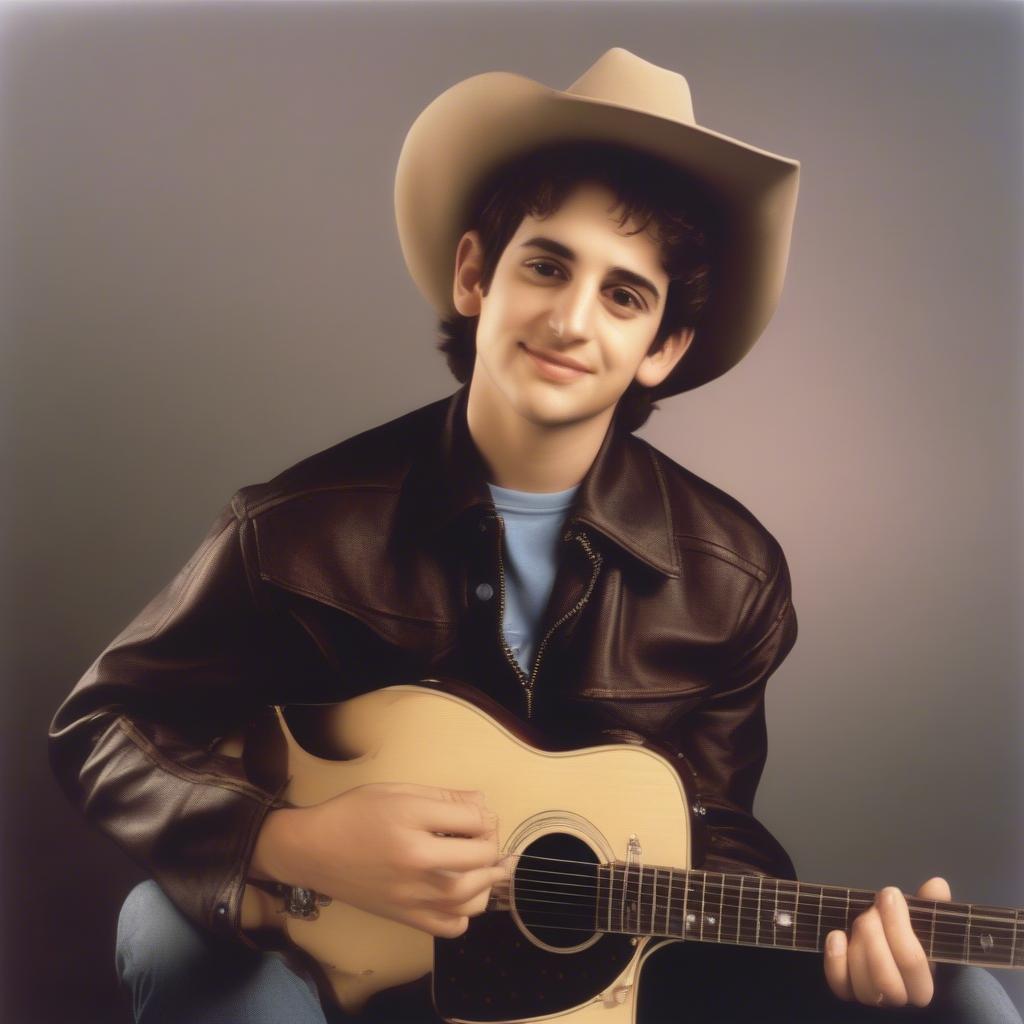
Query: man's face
point(571, 312)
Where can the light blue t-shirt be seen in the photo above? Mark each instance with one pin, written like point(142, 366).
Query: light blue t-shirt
point(533, 524)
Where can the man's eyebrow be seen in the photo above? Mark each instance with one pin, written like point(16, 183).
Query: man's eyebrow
point(558, 249)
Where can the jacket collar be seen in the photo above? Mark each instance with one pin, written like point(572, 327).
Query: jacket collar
point(623, 496)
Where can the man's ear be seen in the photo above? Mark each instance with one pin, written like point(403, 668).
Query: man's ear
point(656, 366)
point(469, 259)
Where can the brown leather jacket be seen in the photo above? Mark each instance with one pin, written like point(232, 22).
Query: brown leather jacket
point(379, 561)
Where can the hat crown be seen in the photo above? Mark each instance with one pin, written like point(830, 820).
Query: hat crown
point(623, 78)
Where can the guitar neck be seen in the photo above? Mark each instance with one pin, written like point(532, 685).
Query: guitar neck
point(751, 910)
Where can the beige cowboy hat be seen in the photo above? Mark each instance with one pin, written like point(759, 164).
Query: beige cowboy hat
point(477, 125)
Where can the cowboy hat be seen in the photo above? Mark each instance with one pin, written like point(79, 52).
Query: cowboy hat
point(479, 124)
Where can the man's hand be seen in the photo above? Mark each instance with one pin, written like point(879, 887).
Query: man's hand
point(421, 855)
point(883, 964)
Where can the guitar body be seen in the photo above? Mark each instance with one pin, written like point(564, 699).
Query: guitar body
point(561, 813)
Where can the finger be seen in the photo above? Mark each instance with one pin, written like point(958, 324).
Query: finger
point(456, 818)
point(873, 968)
point(836, 969)
point(441, 853)
point(455, 887)
point(918, 973)
point(905, 947)
point(935, 889)
point(864, 989)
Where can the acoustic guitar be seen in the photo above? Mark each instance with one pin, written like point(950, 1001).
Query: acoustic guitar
point(601, 843)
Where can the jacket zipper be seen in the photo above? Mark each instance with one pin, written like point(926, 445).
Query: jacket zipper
point(527, 682)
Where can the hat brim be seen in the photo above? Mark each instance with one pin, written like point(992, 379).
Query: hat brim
point(477, 125)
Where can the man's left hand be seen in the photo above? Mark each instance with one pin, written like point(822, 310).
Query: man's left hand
point(883, 964)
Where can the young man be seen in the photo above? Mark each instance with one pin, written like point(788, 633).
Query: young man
point(588, 251)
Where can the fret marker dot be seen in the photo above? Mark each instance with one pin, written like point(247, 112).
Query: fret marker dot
point(711, 919)
point(987, 942)
point(783, 919)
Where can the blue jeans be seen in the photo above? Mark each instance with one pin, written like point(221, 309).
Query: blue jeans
point(175, 974)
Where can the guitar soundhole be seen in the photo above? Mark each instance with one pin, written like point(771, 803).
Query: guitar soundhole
point(555, 890)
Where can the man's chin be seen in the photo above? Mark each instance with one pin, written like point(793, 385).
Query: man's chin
point(561, 415)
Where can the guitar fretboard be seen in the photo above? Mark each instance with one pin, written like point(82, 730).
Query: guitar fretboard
point(750, 910)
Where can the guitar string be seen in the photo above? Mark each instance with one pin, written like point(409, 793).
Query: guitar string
point(714, 887)
point(942, 939)
point(680, 873)
point(766, 916)
point(953, 953)
point(712, 883)
point(807, 891)
point(787, 937)
point(768, 911)
point(944, 945)
point(944, 929)
point(805, 888)
point(953, 950)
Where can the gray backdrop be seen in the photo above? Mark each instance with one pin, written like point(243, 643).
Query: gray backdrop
point(203, 284)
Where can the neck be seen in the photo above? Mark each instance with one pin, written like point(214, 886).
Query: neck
point(749, 910)
point(526, 454)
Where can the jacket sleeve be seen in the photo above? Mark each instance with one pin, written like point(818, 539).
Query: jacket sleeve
point(725, 738)
point(132, 744)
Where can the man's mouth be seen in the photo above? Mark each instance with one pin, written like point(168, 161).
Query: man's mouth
point(561, 367)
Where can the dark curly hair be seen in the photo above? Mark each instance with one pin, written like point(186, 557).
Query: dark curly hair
point(647, 188)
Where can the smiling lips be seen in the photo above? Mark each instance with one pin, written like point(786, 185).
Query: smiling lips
point(556, 368)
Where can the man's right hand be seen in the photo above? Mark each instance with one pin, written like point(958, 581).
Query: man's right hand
point(421, 855)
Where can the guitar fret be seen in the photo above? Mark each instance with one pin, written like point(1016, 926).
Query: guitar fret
point(638, 927)
point(757, 932)
point(703, 890)
point(775, 916)
point(796, 912)
point(721, 904)
point(821, 901)
point(739, 910)
point(686, 897)
point(969, 933)
point(668, 903)
point(611, 894)
point(622, 898)
point(835, 914)
point(800, 922)
point(802, 938)
point(654, 899)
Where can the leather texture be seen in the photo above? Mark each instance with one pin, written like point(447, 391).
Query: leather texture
point(361, 567)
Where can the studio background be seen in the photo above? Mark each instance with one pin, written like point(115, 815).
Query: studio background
point(203, 284)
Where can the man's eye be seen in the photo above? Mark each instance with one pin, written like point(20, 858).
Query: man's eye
point(542, 266)
point(630, 297)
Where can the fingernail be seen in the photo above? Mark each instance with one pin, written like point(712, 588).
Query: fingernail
point(888, 895)
point(835, 944)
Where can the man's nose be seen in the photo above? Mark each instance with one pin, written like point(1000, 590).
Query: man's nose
point(572, 319)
